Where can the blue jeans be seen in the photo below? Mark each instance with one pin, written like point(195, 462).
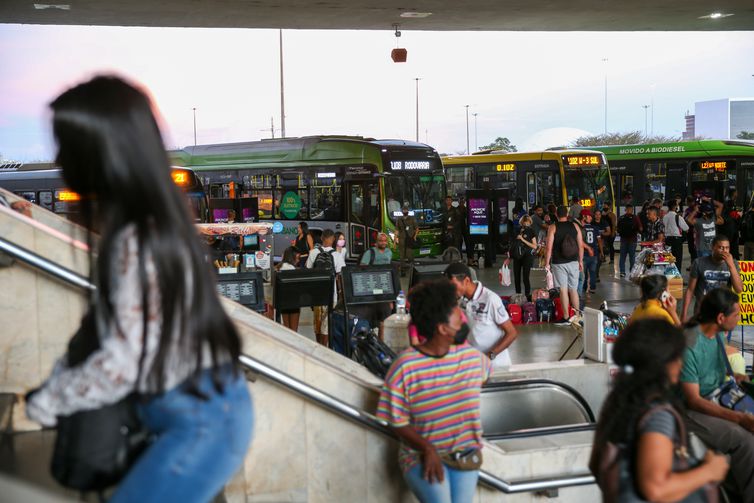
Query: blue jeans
point(200, 443)
point(590, 271)
point(627, 248)
point(458, 486)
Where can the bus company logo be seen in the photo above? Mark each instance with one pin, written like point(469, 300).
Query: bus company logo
point(652, 150)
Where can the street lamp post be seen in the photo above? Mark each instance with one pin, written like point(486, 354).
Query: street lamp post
point(194, 126)
point(645, 107)
point(282, 90)
point(417, 108)
point(468, 150)
point(476, 136)
point(652, 110)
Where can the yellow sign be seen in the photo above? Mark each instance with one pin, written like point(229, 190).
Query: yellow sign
point(583, 160)
point(716, 165)
point(67, 195)
point(746, 299)
point(180, 177)
point(586, 203)
point(506, 167)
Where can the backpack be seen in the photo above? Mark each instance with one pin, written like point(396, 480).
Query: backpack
point(626, 228)
point(519, 298)
point(529, 312)
point(324, 259)
point(569, 247)
point(372, 255)
point(514, 310)
point(545, 309)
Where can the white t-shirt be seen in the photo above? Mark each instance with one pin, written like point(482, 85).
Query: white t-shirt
point(338, 260)
point(486, 312)
point(287, 267)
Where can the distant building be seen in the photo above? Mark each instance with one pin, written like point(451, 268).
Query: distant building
point(723, 119)
point(690, 132)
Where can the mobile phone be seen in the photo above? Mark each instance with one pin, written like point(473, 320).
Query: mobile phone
point(665, 296)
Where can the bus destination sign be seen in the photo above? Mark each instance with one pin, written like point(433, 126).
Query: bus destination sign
point(716, 165)
point(506, 167)
point(583, 160)
point(410, 165)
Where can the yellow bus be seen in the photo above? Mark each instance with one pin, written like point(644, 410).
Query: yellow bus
point(549, 176)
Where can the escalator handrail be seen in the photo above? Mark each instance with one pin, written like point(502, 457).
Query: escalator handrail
point(328, 401)
point(518, 382)
point(541, 432)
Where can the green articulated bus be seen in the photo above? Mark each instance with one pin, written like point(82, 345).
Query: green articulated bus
point(350, 184)
point(663, 170)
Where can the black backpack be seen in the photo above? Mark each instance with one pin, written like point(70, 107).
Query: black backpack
point(569, 246)
point(626, 227)
point(324, 260)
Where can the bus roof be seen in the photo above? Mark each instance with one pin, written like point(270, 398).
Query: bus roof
point(289, 152)
point(540, 155)
point(681, 149)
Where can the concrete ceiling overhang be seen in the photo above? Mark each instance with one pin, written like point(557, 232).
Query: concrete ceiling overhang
point(461, 15)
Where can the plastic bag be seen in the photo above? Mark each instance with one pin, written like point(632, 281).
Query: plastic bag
point(504, 275)
point(549, 280)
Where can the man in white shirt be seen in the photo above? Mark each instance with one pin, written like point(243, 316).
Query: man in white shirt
point(336, 262)
point(492, 331)
point(675, 225)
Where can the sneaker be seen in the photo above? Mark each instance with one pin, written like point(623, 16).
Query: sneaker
point(623, 275)
point(563, 323)
point(574, 320)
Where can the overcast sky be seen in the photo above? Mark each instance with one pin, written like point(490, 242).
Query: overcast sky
point(538, 89)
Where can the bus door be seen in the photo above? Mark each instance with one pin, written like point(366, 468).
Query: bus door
point(677, 180)
point(713, 178)
point(542, 187)
point(363, 217)
point(746, 190)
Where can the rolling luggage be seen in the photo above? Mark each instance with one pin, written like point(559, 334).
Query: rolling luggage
point(514, 310)
point(371, 352)
point(545, 310)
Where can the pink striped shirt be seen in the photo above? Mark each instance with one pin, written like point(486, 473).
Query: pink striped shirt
point(438, 397)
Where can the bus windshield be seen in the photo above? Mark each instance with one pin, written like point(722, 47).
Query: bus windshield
point(590, 185)
point(423, 193)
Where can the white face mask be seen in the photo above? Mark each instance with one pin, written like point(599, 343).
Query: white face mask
point(454, 204)
point(341, 243)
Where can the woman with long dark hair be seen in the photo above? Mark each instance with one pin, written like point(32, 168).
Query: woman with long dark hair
point(160, 329)
point(304, 243)
point(638, 413)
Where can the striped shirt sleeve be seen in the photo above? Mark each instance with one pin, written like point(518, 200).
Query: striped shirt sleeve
point(393, 406)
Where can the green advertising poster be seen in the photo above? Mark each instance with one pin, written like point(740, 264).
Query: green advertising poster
point(290, 205)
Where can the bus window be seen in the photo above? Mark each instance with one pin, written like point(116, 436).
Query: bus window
point(547, 185)
point(590, 185)
point(424, 194)
point(459, 179)
point(292, 197)
point(260, 186)
point(325, 197)
point(656, 176)
point(45, 199)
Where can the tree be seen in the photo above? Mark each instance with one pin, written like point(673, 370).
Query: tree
point(500, 143)
point(745, 135)
point(629, 138)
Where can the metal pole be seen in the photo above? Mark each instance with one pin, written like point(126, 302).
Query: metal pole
point(194, 126)
point(417, 109)
point(645, 107)
point(272, 127)
point(468, 151)
point(282, 91)
point(604, 60)
point(476, 136)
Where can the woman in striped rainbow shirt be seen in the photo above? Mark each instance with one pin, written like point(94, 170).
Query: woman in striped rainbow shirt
point(431, 399)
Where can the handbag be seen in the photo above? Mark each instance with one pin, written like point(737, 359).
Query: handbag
point(729, 394)
point(95, 448)
point(505, 275)
point(470, 459)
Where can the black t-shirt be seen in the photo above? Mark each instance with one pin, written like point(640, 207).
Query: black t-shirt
point(563, 229)
point(528, 234)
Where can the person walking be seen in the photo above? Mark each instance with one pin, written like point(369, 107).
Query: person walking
point(574, 213)
point(642, 413)
point(629, 226)
point(379, 254)
point(602, 224)
point(691, 207)
point(155, 325)
point(491, 329)
point(704, 220)
point(290, 260)
point(720, 270)
point(325, 257)
point(730, 226)
point(704, 371)
point(522, 252)
point(340, 245)
point(612, 218)
point(747, 233)
point(408, 230)
point(594, 252)
point(452, 231)
point(564, 256)
point(675, 226)
point(441, 446)
point(654, 231)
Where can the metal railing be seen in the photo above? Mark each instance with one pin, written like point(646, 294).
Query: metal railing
point(330, 402)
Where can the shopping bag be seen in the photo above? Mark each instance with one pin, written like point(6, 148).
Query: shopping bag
point(549, 280)
point(504, 274)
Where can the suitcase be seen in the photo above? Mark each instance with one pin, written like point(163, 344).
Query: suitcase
point(559, 311)
point(529, 312)
point(514, 311)
point(545, 310)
